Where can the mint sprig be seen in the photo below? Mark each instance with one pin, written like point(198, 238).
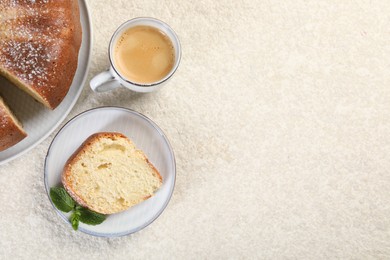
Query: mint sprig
point(65, 203)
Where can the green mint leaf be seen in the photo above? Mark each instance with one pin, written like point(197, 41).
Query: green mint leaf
point(90, 217)
point(61, 199)
point(74, 219)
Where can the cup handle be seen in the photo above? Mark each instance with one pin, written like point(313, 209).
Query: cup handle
point(103, 82)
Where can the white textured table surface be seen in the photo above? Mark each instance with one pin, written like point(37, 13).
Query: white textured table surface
point(279, 116)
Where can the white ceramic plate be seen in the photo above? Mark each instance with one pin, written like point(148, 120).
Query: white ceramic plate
point(38, 121)
point(146, 135)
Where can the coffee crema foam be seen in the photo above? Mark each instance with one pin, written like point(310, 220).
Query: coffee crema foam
point(144, 54)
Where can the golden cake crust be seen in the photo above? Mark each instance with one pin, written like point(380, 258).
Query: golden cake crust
point(39, 46)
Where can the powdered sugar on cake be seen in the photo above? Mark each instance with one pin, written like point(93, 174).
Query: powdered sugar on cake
point(14, 3)
point(27, 52)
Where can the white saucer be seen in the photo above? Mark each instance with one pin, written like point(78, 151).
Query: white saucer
point(145, 134)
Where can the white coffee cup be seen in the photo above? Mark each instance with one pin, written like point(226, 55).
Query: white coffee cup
point(112, 78)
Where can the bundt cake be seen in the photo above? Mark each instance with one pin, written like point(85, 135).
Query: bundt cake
point(39, 46)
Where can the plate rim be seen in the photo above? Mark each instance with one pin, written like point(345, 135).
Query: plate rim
point(160, 211)
point(77, 96)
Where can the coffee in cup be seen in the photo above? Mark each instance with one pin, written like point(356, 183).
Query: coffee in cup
point(143, 54)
